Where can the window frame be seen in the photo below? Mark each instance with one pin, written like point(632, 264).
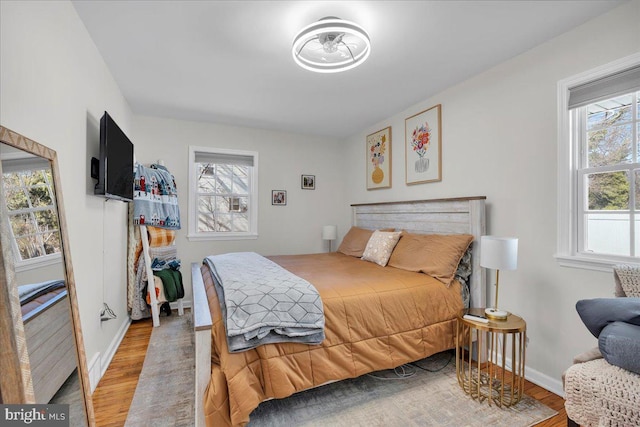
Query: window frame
point(193, 233)
point(21, 265)
point(569, 210)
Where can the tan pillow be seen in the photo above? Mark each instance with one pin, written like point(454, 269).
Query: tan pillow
point(437, 255)
point(355, 241)
point(380, 246)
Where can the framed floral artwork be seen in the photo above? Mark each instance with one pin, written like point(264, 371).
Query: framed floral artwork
point(423, 147)
point(379, 159)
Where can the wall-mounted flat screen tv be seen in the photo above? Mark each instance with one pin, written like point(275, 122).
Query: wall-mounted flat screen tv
point(114, 169)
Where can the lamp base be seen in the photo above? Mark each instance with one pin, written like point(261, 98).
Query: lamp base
point(495, 314)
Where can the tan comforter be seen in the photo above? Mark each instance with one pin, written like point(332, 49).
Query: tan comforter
point(376, 318)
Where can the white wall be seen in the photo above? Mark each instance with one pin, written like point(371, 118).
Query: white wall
point(55, 87)
point(43, 273)
point(283, 158)
point(499, 140)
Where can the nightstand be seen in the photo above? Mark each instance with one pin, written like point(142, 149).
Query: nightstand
point(482, 353)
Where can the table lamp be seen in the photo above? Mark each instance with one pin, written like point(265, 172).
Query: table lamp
point(499, 253)
point(330, 232)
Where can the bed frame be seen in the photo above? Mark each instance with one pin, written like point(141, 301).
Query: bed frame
point(439, 216)
point(50, 343)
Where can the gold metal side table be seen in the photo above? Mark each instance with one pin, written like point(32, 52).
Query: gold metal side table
point(481, 355)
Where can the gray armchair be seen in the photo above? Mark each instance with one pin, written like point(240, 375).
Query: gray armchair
point(597, 392)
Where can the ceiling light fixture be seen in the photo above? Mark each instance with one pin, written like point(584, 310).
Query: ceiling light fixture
point(331, 45)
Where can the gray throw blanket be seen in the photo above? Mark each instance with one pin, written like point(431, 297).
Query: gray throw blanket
point(264, 303)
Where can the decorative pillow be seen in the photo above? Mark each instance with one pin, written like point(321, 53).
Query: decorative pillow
point(597, 313)
point(355, 241)
point(380, 246)
point(463, 272)
point(619, 343)
point(437, 255)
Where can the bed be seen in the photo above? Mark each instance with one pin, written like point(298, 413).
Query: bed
point(376, 317)
point(49, 336)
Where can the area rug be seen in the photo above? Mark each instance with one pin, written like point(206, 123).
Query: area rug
point(70, 394)
point(427, 395)
point(165, 392)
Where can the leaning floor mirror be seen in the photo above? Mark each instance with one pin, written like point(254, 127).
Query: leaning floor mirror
point(42, 357)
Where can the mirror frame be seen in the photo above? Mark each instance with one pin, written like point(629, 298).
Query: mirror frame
point(15, 382)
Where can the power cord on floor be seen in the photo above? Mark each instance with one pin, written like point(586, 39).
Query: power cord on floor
point(449, 359)
point(408, 370)
point(402, 372)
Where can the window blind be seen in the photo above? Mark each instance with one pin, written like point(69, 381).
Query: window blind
point(606, 87)
point(224, 158)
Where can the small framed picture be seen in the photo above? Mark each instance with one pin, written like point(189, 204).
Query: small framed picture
point(308, 182)
point(278, 197)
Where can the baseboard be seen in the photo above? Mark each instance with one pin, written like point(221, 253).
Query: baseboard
point(185, 304)
point(543, 380)
point(113, 347)
point(94, 371)
point(99, 364)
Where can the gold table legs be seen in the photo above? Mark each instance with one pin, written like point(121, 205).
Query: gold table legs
point(481, 364)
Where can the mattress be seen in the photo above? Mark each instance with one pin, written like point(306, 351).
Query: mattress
point(375, 318)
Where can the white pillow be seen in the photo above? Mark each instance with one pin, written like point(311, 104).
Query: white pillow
point(380, 246)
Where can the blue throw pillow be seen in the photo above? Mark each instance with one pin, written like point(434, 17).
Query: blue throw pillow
point(619, 344)
point(597, 313)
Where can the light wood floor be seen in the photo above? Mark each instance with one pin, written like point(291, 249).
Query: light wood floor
point(114, 394)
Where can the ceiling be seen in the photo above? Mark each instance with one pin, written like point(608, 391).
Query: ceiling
point(230, 61)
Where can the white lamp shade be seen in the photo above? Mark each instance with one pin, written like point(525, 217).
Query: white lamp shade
point(499, 253)
point(330, 232)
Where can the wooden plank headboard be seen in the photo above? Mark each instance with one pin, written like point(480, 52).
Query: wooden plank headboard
point(465, 215)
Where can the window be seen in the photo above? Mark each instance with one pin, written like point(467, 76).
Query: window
point(599, 166)
point(222, 194)
point(32, 214)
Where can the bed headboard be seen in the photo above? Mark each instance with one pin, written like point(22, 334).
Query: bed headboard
point(464, 215)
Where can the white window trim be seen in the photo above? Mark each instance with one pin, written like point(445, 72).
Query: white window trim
point(39, 262)
point(567, 254)
point(193, 234)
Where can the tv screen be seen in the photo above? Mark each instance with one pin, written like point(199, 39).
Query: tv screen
point(115, 167)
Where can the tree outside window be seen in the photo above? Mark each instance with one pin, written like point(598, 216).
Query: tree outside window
point(610, 175)
point(223, 194)
point(32, 213)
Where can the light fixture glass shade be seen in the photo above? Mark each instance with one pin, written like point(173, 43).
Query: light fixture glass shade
point(499, 253)
point(330, 232)
point(331, 45)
